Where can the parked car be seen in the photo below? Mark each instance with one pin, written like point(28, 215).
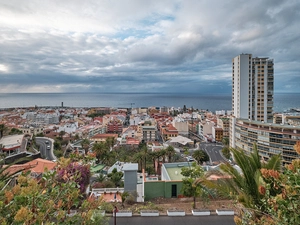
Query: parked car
point(190, 159)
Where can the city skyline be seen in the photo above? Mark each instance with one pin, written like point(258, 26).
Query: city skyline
point(130, 46)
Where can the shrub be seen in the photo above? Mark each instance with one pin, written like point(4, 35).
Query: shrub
point(107, 207)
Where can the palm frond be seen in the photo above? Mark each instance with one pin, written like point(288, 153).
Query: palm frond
point(273, 163)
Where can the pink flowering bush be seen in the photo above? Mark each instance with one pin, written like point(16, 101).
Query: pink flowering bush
point(75, 172)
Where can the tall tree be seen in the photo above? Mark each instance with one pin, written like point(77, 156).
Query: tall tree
point(61, 134)
point(170, 151)
point(192, 183)
point(3, 129)
point(138, 158)
point(225, 141)
point(154, 156)
point(110, 141)
point(102, 152)
point(200, 156)
point(145, 156)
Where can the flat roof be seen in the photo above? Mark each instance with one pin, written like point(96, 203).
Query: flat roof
point(97, 168)
point(130, 167)
point(175, 173)
point(275, 125)
point(11, 141)
point(174, 169)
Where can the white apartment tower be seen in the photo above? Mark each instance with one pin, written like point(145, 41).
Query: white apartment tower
point(252, 88)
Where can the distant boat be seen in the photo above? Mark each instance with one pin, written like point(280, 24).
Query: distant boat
point(295, 109)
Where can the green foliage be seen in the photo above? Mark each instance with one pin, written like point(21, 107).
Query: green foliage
point(170, 152)
point(246, 184)
point(85, 144)
point(226, 152)
point(93, 115)
point(100, 178)
point(15, 131)
point(61, 134)
point(124, 196)
point(5, 176)
point(106, 206)
point(225, 141)
point(47, 201)
point(3, 129)
point(40, 135)
point(279, 198)
point(130, 200)
point(103, 154)
point(146, 206)
point(200, 156)
point(57, 145)
point(58, 153)
point(76, 137)
point(116, 177)
point(192, 185)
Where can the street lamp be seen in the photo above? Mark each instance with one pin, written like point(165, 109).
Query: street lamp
point(115, 214)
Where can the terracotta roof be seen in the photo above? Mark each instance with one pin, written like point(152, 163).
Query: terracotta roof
point(16, 168)
point(132, 141)
point(39, 165)
point(35, 166)
point(104, 136)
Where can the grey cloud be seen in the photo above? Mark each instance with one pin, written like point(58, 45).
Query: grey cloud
point(164, 46)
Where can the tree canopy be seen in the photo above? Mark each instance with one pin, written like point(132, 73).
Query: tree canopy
point(191, 187)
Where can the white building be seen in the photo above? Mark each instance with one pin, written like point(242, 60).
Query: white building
point(252, 87)
point(181, 125)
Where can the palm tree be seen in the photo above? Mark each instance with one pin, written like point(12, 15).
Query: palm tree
point(145, 155)
point(61, 133)
point(154, 156)
point(138, 158)
point(200, 156)
point(170, 151)
point(110, 141)
point(124, 196)
point(85, 144)
point(101, 150)
point(225, 141)
point(247, 183)
point(162, 155)
point(3, 128)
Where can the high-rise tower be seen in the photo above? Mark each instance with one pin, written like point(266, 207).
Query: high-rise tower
point(252, 88)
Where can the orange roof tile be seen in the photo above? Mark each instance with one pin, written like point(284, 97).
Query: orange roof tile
point(40, 165)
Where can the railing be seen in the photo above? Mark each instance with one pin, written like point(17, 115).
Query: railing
point(107, 190)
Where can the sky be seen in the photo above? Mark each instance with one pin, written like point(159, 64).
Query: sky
point(143, 45)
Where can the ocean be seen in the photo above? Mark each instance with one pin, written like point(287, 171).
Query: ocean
point(282, 101)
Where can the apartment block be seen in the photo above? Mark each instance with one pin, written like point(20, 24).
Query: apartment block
point(252, 88)
point(270, 138)
point(149, 130)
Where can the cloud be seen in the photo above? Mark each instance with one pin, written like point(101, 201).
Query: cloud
point(130, 46)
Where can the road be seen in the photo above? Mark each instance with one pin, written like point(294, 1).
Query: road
point(45, 153)
point(213, 150)
point(166, 220)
